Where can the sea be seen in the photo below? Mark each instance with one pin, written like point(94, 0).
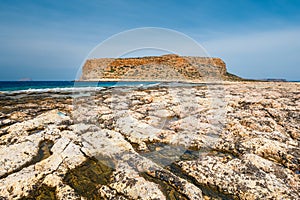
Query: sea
point(40, 86)
point(56, 86)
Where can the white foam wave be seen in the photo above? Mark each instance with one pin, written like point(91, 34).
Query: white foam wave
point(67, 89)
point(78, 88)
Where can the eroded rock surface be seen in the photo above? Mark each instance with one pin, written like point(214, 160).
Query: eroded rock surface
point(217, 141)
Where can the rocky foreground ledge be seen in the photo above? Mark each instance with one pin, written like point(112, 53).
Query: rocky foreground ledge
point(220, 141)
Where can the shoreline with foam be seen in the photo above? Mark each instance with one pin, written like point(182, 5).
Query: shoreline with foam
point(94, 85)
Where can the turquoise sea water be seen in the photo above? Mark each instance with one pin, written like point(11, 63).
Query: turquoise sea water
point(10, 86)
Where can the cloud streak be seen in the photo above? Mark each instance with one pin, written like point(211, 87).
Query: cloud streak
point(51, 34)
point(273, 54)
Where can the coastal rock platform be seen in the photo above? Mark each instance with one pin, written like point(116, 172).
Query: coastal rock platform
point(231, 140)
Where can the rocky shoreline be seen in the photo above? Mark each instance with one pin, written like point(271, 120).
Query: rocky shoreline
point(236, 140)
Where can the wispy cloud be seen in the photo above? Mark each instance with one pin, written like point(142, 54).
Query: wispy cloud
point(260, 54)
point(45, 34)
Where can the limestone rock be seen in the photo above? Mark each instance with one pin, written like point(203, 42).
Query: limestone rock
point(232, 140)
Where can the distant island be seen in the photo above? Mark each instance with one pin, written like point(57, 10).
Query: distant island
point(168, 67)
point(275, 79)
point(25, 79)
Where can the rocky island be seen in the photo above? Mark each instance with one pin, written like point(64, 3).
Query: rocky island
point(168, 67)
point(223, 140)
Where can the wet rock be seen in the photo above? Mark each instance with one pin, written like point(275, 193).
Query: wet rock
point(42, 192)
point(128, 182)
point(87, 178)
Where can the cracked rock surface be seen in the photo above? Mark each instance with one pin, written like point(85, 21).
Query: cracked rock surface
point(235, 140)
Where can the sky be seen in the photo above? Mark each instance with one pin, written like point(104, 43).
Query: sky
point(50, 39)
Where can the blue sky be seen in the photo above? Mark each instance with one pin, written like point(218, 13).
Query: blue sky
point(49, 40)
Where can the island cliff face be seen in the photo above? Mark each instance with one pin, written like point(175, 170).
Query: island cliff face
point(156, 68)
